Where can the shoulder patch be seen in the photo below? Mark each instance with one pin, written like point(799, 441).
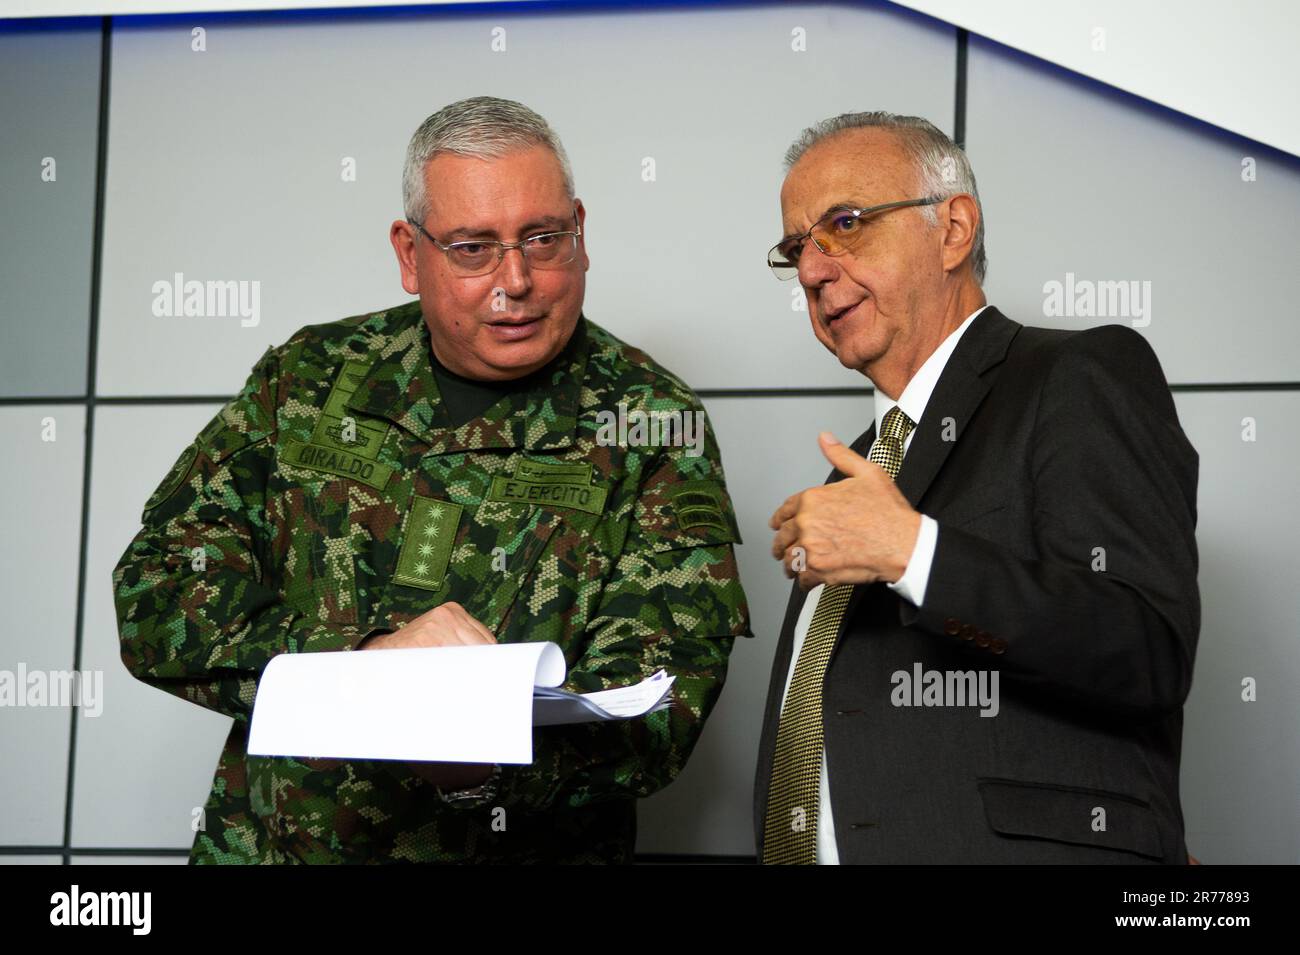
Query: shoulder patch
point(698, 515)
point(175, 477)
point(696, 504)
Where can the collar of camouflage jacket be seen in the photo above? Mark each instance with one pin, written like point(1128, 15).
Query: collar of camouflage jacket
point(400, 387)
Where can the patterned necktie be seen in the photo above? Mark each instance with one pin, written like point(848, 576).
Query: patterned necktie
point(790, 827)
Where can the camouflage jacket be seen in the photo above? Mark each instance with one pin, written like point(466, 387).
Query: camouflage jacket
point(293, 524)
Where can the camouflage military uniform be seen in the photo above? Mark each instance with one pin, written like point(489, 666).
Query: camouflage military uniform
point(332, 499)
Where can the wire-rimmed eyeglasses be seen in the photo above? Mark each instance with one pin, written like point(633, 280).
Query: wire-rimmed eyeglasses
point(834, 234)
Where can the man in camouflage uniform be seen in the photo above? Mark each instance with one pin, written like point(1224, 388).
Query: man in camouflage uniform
point(435, 474)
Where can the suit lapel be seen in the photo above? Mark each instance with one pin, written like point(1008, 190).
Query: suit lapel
point(957, 396)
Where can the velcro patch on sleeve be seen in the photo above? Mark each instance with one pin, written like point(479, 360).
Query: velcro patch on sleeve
point(175, 477)
point(696, 504)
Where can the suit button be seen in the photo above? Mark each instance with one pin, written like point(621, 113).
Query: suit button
point(998, 645)
point(982, 638)
point(951, 626)
point(967, 632)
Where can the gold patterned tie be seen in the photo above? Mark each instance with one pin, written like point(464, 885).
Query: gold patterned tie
point(790, 826)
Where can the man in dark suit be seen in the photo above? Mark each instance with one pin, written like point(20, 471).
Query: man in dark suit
point(992, 634)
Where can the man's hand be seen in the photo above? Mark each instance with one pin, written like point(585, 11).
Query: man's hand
point(855, 531)
point(447, 625)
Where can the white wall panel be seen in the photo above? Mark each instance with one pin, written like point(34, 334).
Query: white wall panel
point(225, 166)
point(1240, 784)
point(49, 112)
point(147, 761)
point(1079, 180)
point(40, 512)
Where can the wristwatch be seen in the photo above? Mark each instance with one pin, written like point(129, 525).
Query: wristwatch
point(484, 792)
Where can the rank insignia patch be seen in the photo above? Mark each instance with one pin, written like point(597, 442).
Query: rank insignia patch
point(430, 534)
point(696, 505)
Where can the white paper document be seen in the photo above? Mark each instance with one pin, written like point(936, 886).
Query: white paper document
point(442, 704)
point(551, 706)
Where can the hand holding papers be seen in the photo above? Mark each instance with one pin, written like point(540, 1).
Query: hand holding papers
point(466, 704)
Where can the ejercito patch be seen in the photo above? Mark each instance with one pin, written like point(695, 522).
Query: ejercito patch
point(550, 484)
point(548, 494)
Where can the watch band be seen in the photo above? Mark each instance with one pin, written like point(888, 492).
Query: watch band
point(473, 795)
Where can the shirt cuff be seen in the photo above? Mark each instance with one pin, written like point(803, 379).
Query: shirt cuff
point(911, 586)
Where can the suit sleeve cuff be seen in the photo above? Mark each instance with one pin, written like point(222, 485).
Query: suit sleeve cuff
point(911, 586)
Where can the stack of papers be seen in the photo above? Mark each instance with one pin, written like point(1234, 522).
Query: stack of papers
point(551, 706)
point(440, 704)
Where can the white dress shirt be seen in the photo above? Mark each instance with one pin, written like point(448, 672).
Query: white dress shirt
point(911, 586)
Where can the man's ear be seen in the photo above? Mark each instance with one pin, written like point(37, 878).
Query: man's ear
point(402, 234)
point(959, 235)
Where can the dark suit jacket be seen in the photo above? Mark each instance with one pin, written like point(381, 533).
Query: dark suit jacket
point(1063, 450)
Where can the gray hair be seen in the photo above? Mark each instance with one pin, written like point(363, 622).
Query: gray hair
point(942, 167)
point(483, 127)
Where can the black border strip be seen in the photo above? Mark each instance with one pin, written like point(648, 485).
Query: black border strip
point(660, 858)
point(96, 266)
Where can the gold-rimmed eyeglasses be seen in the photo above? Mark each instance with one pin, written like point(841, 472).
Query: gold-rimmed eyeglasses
point(835, 233)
